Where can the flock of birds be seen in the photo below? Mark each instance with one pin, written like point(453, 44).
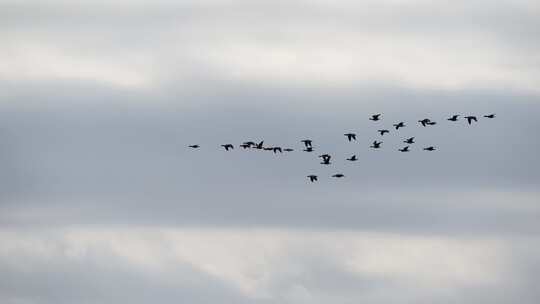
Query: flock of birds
point(308, 143)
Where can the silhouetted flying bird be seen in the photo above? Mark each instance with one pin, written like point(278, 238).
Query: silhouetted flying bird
point(375, 117)
point(350, 136)
point(405, 149)
point(409, 140)
point(399, 125)
point(470, 119)
point(228, 146)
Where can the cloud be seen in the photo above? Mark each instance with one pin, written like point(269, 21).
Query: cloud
point(263, 266)
point(426, 45)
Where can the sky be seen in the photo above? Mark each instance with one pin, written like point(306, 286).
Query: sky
point(101, 200)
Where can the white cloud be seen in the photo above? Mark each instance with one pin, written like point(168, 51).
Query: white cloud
point(275, 264)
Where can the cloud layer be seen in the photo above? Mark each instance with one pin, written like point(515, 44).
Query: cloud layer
point(102, 202)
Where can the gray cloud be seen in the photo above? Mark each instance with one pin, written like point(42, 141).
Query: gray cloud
point(101, 201)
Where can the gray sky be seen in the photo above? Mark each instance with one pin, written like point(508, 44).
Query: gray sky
point(101, 201)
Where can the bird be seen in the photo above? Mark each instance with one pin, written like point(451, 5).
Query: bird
point(326, 159)
point(227, 147)
point(431, 123)
point(424, 121)
point(288, 150)
point(339, 175)
point(350, 136)
point(277, 149)
point(245, 146)
point(405, 149)
point(308, 149)
point(307, 143)
point(376, 145)
point(453, 118)
point(470, 119)
point(399, 125)
point(375, 117)
point(312, 178)
point(194, 146)
point(409, 140)
point(490, 116)
point(249, 143)
point(268, 148)
point(352, 158)
point(259, 145)
point(383, 131)
point(431, 148)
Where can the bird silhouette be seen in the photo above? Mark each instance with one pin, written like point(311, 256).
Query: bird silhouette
point(227, 147)
point(470, 119)
point(375, 117)
point(409, 140)
point(405, 149)
point(431, 123)
point(376, 145)
point(308, 149)
point(350, 136)
point(277, 149)
point(194, 146)
point(259, 145)
point(268, 148)
point(339, 175)
point(431, 148)
point(245, 146)
point(249, 143)
point(307, 143)
point(399, 125)
point(326, 162)
point(453, 118)
point(326, 159)
point(312, 178)
point(383, 131)
point(490, 116)
point(424, 121)
point(288, 150)
point(352, 158)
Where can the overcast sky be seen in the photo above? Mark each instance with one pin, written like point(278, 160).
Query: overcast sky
point(102, 202)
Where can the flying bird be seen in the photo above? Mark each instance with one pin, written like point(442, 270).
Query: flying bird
point(277, 149)
point(245, 146)
point(424, 121)
point(308, 149)
point(194, 146)
point(350, 136)
point(375, 117)
point(490, 116)
point(431, 123)
point(249, 143)
point(259, 145)
point(470, 119)
point(339, 175)
point(409, 140)
point(352, 158)
point(307, 143)
point(376, 145)
point(227, 147)
point(453, 118)
point(312, 178)
point(268, 148)
point(405, 149)
point(383, 131)
point(326, 159)
point(399, 125)
point(431, 148)
point(288, 150)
